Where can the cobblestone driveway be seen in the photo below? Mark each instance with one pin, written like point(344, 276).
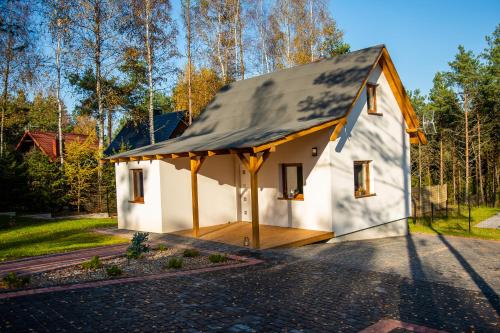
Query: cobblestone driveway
point(442, 283)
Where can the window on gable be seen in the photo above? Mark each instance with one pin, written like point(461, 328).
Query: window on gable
point(136, 186)
point(362, 186)
point(371, 94)
point(292, 181)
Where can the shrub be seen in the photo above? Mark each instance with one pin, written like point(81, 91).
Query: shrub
point(174, 263)
point(114, 271)
point(93, 263)
point(217, 258)
point(12, 280)
point(190, 253)
point(138, 246)
point(162, 247)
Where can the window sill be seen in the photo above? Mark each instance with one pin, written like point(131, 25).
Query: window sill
point(136, 201)
point(364, 195)
point(375, 114)
point(297, 198)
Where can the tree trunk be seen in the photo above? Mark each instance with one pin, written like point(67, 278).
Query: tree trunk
point(58, 93)
point(150, 73)
point(97, 60)
point(219, 51)
point(6, 75)
point(109, 119)
point(481, 185)
point(188, 21)
point(454, 175)
point(467, 171)
point(288, 35)
point(240, 41)
point(100, 123)
point(311, 37)
point(441, 161)
point(419, 178)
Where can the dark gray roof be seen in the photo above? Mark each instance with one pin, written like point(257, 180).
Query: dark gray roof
point(266, 108)
point(135, 135)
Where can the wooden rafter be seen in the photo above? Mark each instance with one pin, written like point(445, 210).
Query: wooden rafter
point(338, 128)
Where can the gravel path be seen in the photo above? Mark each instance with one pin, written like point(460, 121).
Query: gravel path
point(493, 222)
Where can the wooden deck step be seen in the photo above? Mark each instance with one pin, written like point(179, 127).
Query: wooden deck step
point(270, 236)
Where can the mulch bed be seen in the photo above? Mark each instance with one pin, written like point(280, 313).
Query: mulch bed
point(150, 263)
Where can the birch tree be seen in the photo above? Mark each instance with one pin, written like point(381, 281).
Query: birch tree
point(58, 12)
point(149, 26)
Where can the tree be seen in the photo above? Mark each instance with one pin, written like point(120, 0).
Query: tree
point(18, 57)
point(150, 27)
point(96, 38)
point(59, 23)
point(302, 31)
point(45, 181)
point(464, 76)
point(81, 169)
point(205, 83)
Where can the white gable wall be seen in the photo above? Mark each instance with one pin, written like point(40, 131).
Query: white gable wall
point(382, 139)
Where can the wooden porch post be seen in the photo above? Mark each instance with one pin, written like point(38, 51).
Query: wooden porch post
point(195, 164)
point(254, 184)
point(253, 164)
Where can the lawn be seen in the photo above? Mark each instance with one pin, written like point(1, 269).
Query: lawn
point(32, 237)
point(457, 224)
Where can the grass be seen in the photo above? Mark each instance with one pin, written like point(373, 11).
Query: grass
point(32, 237)
point(458, 224)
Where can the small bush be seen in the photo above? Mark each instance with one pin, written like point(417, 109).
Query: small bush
point(93, 263)
point(13, 281)
point(138, 245)
point(190, 253)
point(114, 271)
point(162, 247)
point(217, 258)
point(175, 263)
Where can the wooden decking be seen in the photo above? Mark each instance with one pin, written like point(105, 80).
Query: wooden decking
point(270, 236)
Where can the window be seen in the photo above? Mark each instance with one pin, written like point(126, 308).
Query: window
point(371, 94)
point(292, 181)
point(362, 187)
point(136, 186)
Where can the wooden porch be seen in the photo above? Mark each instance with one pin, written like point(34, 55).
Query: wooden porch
point(271, 237)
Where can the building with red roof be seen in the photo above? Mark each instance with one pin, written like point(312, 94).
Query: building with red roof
point(47, 142)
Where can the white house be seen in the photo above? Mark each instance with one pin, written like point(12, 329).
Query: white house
point(322, 146)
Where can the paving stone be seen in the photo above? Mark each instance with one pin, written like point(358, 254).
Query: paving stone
point(326, 287)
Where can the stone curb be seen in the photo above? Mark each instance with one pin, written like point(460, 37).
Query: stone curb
point(246, 262)
point(388, 325)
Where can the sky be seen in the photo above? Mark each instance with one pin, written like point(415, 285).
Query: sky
point(422, 36)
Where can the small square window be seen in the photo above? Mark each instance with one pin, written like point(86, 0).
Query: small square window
point(371, 95)
point(292, 181)
point(136, 186)
point(362, 186)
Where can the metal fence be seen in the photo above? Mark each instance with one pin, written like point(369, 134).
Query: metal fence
point(430, 200)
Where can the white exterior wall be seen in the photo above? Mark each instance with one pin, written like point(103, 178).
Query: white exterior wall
point(138, 216)
point(315, 211)
point(382, 139)
point(216, 192)
point(167, 194)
